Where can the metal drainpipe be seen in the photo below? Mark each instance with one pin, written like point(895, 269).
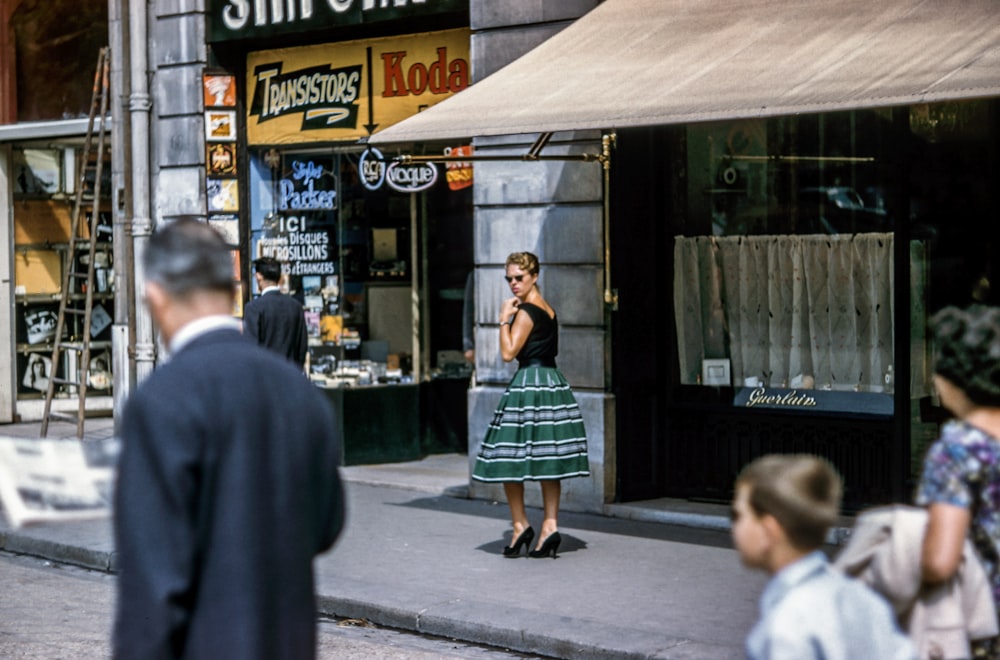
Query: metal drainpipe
point(122, 370)
point(142, 226)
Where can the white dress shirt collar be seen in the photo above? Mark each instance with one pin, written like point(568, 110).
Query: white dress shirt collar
point(201, 326)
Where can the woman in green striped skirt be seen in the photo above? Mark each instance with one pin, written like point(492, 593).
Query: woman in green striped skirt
point(537, 431)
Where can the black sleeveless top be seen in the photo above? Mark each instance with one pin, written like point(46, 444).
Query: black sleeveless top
point(542, 346)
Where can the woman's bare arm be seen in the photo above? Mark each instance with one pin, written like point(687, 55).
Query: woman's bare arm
point(947, 528)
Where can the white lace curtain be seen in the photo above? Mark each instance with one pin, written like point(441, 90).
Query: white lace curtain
point(788, 310)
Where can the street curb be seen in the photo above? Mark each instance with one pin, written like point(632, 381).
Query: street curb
point(836, 536)
point(97, 560)
point(508, 628)
point(698, 520)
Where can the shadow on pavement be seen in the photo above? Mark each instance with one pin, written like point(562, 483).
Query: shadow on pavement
point(581, 521)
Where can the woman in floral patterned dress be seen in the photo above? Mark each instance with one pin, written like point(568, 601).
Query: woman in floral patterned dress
point(960, 485)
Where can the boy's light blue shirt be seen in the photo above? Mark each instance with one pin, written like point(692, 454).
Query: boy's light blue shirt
point(810, 611)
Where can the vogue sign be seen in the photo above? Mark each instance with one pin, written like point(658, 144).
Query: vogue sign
point(410, 177)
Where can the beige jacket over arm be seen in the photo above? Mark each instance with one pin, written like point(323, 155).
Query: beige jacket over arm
point(884, 553)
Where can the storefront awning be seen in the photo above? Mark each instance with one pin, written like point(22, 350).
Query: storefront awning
point(657, 62)
point(44, 129)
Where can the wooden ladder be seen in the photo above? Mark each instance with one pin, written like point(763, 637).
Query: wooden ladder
point(82, 251)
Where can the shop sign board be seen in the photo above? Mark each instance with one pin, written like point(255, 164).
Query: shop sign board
point(231, 20)
point(405, 178)
point(413, 177)
point(299, 228)
point(816, 401)
point(371, 165)
point(459, 173)
point(350, 90)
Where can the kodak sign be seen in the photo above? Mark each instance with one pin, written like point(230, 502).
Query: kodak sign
point(350, 90)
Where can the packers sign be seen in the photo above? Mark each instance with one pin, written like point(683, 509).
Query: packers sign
point(349, 90)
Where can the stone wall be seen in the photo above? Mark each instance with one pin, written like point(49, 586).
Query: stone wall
point(177, 55)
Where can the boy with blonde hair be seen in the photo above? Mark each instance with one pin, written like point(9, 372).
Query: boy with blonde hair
point(783, 507)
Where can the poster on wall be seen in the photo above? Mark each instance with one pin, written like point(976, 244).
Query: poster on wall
point(37, 373)
point(41, 324)
point(220, 90)
point(228, 225)
point(220, 125)
point(223, 195)
point(220, 159)
point(350, 90)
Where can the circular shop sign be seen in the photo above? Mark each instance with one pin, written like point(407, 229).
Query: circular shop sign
point(372, 166)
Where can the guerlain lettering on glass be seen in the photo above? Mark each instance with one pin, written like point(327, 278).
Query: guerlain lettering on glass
point(760, 397)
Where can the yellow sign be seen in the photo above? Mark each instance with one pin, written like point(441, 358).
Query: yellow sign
point(349, 90)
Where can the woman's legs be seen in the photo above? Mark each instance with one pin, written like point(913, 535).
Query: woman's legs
point(514, 490)
point(551, 491)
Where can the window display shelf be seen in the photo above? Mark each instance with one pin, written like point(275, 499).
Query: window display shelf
point(47, 298)
point(47, 347)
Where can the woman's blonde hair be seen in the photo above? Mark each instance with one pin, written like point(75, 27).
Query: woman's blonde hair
point(526, 261)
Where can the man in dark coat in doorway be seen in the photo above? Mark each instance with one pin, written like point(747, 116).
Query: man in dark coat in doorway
point(228, 483)
point(274, 319)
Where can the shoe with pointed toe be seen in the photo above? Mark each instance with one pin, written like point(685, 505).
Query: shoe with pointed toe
point(550, 545)
point(525, 539)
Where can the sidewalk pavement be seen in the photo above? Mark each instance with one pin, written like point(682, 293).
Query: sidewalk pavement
point(647, 580)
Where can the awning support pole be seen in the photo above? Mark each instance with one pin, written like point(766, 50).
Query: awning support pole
point(610, 294)
point(536, 148)
point(407, 159)
point(533, 154)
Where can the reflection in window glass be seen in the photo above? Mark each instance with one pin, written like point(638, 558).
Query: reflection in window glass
point(37, 171)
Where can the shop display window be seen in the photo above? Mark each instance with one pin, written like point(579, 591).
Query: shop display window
point(792, 311)
point(44, 181)
point(338, 242)
point(786, 271)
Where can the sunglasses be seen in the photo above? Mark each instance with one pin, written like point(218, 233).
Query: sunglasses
point(515, 278)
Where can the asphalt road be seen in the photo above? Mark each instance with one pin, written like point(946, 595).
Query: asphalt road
point(52, 610)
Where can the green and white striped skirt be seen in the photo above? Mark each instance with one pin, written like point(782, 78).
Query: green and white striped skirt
point(537, 431)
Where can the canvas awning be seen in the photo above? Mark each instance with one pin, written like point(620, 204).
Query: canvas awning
point(657, 62)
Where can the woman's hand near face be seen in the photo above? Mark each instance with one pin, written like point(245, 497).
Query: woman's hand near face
point(507, 308)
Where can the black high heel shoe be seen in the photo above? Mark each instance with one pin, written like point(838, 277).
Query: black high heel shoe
point(525, 539)
point(550, 544)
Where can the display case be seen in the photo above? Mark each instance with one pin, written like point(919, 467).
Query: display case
point(42, 208)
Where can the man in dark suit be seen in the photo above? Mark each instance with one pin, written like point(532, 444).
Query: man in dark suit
point(274, 319)
point(228, 482)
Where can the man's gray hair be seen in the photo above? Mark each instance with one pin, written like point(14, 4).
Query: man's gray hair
point(189, 255)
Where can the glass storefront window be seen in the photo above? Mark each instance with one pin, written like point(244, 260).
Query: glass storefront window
point(953, 160)
point(784, 277)
point(344, 247)
point(294, 206)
